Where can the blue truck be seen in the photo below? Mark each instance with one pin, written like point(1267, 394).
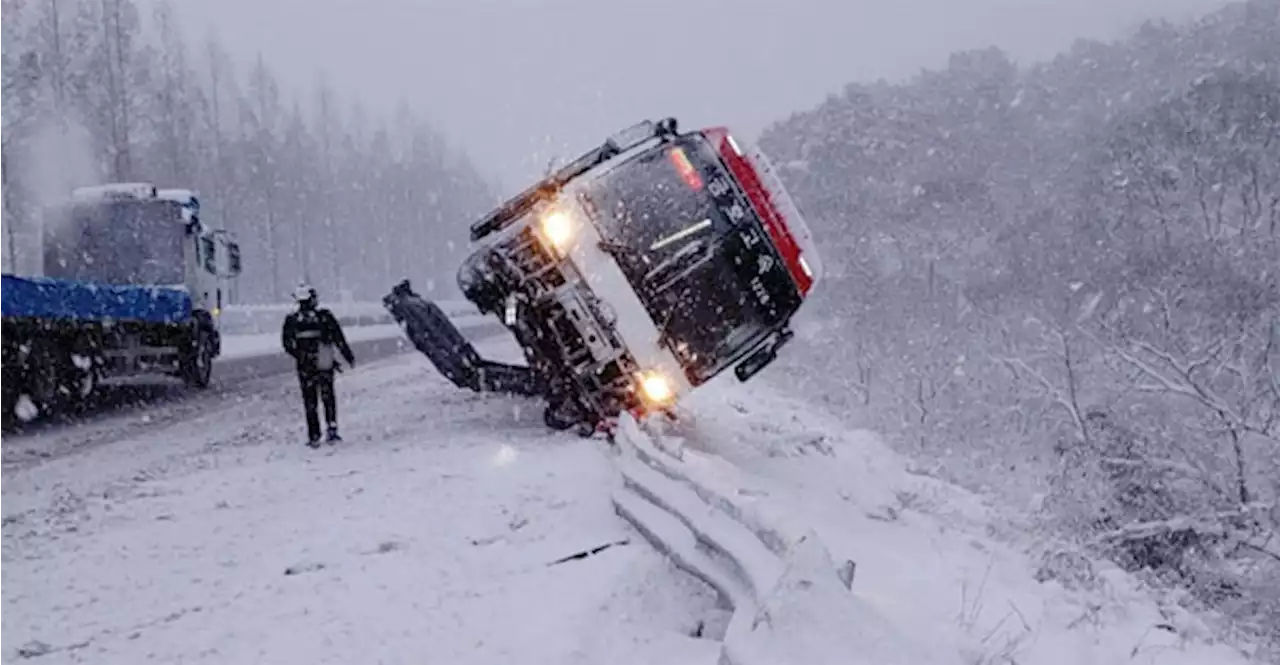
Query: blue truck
point(132, 286)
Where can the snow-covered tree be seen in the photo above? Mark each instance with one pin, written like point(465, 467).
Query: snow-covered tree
point(92, 93)
point(22, 81)
point(172, 105)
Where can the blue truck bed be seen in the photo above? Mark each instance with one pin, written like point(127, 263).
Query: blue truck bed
point(67, 300)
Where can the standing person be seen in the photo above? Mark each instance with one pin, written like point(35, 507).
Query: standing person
point(313, 336)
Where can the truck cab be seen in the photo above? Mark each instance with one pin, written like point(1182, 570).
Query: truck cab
point(132, 284)
point(210, 257)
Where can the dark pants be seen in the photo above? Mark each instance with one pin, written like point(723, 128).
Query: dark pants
point(318, 386)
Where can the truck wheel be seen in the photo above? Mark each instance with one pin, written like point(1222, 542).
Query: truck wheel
point(43, 381)
point(554, 419)
point(197, 364)
point(80, 381)
point(479, 284)
point(12, 377)
point(564, 413)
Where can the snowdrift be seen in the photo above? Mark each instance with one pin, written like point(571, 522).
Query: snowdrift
point(257, 319)
point(791, 602)
point(943, 575)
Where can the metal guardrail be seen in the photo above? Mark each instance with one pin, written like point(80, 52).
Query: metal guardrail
point(257, 319)
point(342, 307)
point(790, 601)
point(232, 370)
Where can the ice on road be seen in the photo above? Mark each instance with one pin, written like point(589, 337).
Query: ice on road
point(429, 536)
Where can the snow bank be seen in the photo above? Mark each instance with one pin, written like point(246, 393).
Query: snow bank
point(256, 356)
point(252, 319)
point(266, 343)
point(791, 602)
point(261, 344)
point(932, 558)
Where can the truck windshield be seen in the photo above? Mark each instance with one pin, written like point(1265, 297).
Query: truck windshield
point(694, 251)
point(117, 242)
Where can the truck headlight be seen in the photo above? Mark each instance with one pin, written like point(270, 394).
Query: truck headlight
point(656, 388)
point(557, 227)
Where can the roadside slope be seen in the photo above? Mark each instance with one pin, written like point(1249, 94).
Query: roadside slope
point(936, 560)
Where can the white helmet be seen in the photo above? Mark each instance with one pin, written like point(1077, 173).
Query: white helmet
point(304, 292)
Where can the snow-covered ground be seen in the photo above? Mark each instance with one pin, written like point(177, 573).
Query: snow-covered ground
point(932, 558)
point(428, 536)
point(209, 534)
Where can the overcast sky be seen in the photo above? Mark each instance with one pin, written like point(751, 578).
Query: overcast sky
point(516, 82)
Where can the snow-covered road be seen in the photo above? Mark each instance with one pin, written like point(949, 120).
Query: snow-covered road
point(203, 531)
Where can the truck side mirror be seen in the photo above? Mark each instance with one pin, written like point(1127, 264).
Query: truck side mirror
point(632, 136)
point(233, 259)
point(755, 362)
point(762, 356)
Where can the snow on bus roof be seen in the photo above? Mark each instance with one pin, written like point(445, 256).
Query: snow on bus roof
point(138, 191)
point(183, 196)
point(115, 190)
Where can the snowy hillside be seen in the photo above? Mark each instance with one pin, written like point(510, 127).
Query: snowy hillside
point(936, 560)
point(1055, 282)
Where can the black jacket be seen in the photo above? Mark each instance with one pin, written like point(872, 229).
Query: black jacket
point(306, 334)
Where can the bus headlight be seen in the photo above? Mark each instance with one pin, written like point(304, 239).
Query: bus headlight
point(656, 388)
point(557, 227)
